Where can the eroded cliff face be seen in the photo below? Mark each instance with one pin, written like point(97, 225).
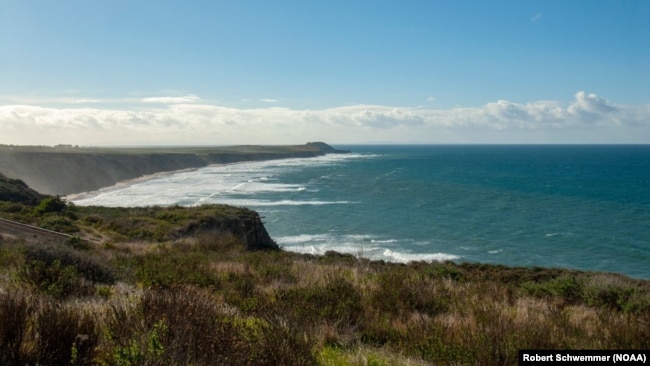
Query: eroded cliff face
point(65, 173)
point(248, 228)
point(61, 172)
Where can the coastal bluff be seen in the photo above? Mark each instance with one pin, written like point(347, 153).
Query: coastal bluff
point(64, 169)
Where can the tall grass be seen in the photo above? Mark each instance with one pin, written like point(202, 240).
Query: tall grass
point(203, 299)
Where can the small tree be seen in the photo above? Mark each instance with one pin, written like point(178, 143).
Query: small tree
point(51, 204)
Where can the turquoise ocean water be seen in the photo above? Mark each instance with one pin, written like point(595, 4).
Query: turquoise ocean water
point(583, 207)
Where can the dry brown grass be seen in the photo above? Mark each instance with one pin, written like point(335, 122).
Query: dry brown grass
point(205, 300)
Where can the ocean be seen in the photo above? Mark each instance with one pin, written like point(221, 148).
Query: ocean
point(583, 207)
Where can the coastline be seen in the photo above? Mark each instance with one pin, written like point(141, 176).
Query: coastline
point(144, 178)
point(218, 268)
point(126, 183)
point(316, 207)
point(73, 170)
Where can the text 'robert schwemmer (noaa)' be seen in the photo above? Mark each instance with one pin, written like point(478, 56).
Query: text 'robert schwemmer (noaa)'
point(583, 357)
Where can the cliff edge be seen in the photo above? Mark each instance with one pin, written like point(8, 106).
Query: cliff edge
point(15, 190)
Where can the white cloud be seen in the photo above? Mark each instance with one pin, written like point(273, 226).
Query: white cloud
point(587, 118)
point(590, 105)
point(172, 100)
point(537, 17)
point(267, 100)
point(83, 101)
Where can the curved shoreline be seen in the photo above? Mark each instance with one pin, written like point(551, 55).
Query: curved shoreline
point(126, 183)
point(144, 178)
point(69, 170)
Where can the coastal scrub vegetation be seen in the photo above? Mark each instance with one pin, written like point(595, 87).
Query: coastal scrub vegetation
point(165, 286)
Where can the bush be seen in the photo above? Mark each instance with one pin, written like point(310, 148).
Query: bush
point(171, 267)
point(59, 223)
point(66, 336)
point(75, 242)
point(12, 207)
point(40, 330)
point(50, 204)
point(628, 299)
point(187, 325)
point(568, 288)
point(55, 279)
point(401, 290)
point(15, 311)
point(337, 302)
point(86, 265)
point(10, 255)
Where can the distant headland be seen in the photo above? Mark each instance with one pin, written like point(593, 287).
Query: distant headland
point(67, 169)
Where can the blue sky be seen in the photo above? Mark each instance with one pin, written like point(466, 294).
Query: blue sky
point(223, 72)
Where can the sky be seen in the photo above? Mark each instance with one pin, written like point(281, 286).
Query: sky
point(226, 72)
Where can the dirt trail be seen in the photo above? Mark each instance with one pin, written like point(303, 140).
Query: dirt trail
point(14, 229)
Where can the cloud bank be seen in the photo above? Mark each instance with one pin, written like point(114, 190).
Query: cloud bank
point(172, 100)
point(588, 118)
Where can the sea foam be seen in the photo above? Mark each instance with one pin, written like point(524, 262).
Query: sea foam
point(361, 246)
point(234, 184)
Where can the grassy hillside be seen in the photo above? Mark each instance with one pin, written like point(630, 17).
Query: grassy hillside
point(165, 286)
point(15, 190)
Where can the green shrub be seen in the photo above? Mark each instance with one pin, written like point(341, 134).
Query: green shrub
point(624, 298)
point(401, 290)
point(569, 288)
point(50, 204)
point(187, 325)
point(378, 330)
point(338, 301)
point(447, 270)
point(140, 228)
point(276, 272)
point(88, 266)
point(272, 341)
point(173, 267)
point(219, 241)
point(151, 352)
point(75, 242)
point(12, 207)
point(10, 255)
point(58, 223)
point(93, 219)
point(239, 290)
point(55, 279)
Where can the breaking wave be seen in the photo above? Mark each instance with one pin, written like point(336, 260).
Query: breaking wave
point(362, 246)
